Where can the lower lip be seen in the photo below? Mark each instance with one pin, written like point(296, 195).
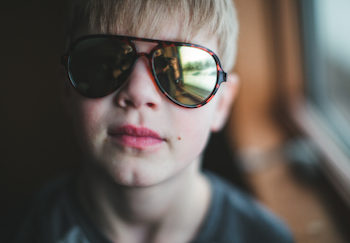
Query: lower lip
point(138, 142)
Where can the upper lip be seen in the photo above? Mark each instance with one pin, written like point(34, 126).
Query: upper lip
point(132, 130)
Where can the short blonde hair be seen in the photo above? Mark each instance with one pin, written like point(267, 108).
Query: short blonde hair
point(145, 17)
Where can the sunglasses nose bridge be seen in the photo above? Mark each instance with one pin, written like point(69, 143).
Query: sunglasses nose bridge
point(146, 55)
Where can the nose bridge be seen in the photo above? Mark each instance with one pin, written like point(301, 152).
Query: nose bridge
point(141, 88)
point(144, 48)
point(148, 63)
point(144, 54)
point(140, 54)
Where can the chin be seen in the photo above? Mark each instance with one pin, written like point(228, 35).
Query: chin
point(138, 175)
point(139, 180)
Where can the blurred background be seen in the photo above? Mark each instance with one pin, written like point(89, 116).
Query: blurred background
point(288, 138)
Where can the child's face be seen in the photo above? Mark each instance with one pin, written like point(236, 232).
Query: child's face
point(137, 135)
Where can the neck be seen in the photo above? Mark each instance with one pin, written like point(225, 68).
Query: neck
point(173, 206)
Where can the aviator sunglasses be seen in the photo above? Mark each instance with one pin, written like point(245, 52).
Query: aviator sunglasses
point(187, 74)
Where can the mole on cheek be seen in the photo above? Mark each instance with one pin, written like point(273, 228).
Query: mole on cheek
point(179, 138)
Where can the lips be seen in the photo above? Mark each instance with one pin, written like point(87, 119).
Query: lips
point(135, 137)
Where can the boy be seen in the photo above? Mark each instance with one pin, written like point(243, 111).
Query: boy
point(142, 75)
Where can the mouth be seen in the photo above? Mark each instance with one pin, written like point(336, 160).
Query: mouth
point(135, 137)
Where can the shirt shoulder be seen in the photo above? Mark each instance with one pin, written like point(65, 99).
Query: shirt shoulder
point(53, 216)
point(235, 216)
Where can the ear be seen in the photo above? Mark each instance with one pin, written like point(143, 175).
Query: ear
point(65, 90)
point(226, 95)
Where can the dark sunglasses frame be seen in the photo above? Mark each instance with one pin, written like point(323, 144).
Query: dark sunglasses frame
point(221, 75)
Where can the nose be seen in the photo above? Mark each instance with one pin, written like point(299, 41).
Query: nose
point(140, 90)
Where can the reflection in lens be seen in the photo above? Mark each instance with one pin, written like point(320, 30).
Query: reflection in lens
point(187, 74)
point(99, 66)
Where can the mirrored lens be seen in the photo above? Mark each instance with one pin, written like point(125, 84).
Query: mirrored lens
point(187, 74)
point(98, 66)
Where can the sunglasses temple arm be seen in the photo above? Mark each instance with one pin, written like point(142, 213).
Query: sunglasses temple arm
point(222, 76)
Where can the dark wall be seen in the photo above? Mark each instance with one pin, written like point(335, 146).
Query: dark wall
point(35, 136)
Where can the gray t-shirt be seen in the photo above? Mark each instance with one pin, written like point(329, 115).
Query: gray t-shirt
point(233, 217)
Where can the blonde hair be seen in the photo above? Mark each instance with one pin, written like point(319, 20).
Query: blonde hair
point(145, 18)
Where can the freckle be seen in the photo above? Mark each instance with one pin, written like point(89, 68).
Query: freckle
point(179, 138)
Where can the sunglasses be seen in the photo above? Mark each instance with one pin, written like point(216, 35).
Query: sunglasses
point(187, 74)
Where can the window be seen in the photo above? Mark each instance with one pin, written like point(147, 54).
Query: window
point(326, 31)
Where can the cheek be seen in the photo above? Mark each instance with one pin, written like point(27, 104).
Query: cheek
point(89, 120)
point(192, 129)
point(192, 133)
point(196, 122)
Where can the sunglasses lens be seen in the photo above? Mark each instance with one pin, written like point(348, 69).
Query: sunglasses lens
point(99, 66)
point(188, 75)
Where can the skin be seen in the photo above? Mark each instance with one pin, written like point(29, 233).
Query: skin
point(156, 193)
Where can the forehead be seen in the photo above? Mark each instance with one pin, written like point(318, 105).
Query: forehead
point(169, 31)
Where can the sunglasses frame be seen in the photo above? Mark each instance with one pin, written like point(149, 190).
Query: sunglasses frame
point(221, 75)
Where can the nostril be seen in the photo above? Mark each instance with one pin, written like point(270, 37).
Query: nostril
point(129, 103)
point(151, 105)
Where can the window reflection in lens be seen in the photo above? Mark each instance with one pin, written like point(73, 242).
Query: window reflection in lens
point(187, 74)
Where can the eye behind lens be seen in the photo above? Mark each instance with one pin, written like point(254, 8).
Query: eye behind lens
point(99, 66)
